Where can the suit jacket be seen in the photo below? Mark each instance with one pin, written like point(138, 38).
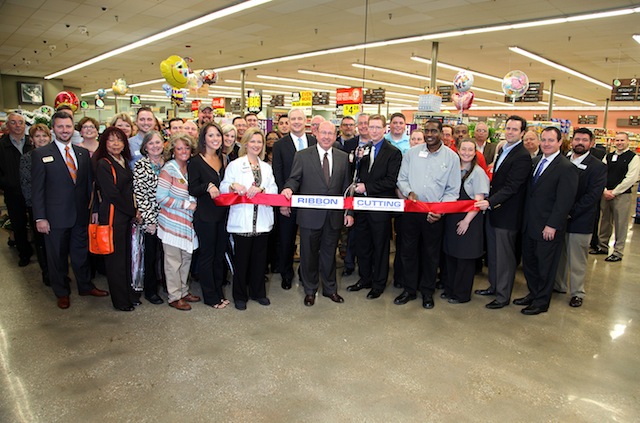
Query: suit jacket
point(53, 194)
point(550, 199)
point(591, 183)
point(489, 152)
point(307, 179)
point(10, 165)
point(508, 189)
point(380, 180)
point(349, 145)
point(283, 152)
point(119, 194)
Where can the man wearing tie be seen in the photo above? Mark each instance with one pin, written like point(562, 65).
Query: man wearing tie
point(283, 152)
point(61, 190)
point(319, 170)
point(505, 209)
point(550, 195)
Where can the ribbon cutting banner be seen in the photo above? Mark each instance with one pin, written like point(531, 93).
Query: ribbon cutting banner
point(348, 203)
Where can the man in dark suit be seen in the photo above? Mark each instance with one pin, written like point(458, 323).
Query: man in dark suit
point(591, 183)
point(345, 141)
point(481, 135)
point(61, 190)
point(550, 195)
point(13, 145)
point(505, 209)
point(283, 152)
point(319, 170)
point(377, 176)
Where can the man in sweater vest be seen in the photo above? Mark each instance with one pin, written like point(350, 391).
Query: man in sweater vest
point(622, 173)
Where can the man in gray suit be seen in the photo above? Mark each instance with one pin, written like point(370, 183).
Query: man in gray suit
point(319, 170)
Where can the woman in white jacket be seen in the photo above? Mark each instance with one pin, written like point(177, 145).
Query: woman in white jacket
point(249, 224)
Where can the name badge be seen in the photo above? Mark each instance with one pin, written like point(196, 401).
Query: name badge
point(423, 154)
point(581, 166)
point(614, 158)
point(137, 153)
point(47, 159)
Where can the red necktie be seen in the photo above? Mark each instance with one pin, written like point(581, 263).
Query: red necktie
point(71, 165)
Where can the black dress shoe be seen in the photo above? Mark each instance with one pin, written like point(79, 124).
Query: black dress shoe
point(357, 287)
point(613, 258)
point(495, 304)
point(241, 305)
point(575, 302)
point(533, 310)
point(155, 299)
point(373, 294)
point(456, 301)
point(404, 298)
point(286, 283)
point(130, 308)
point(427, 302)
point(309, 300)
point(487, 291)
point(598, 251)
point(24, 261)
point(524, 301)
point(262, 301)
point(347, 272)
point(334, 297)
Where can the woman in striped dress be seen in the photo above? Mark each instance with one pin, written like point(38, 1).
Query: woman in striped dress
point(175, 220)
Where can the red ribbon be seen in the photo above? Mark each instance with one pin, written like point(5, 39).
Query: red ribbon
point(278, 200)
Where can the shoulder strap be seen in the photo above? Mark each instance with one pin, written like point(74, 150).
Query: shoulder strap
point(113, 172)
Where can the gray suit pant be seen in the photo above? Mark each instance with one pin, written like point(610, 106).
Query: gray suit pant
point(318, 258)
point(573, 264)
point(615, 215)
point(501, 254)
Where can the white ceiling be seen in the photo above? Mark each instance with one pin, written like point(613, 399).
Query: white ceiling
point(602, 48)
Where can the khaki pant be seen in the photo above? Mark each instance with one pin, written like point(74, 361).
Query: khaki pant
point(573, 264)
point(176, 268)
point(615, 216)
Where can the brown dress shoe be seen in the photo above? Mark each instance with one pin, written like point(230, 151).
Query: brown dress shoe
point(95, 292)
point(180, 305)
point(63, 302)
point(191, 298)
point(309, 300)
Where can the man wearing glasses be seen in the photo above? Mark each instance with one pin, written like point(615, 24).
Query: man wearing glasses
point(481, 135)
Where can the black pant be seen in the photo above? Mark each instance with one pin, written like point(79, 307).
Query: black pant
point(372, 237)
point(152, 255)
point(212, 240)
point(416, 233)
point(118, 267)
point(540, 263)
point(250, 257)
point(17, 209)
point(458, 282)
point(288, 230)
point(41, 250)
point(62, 243)
point(398, 273)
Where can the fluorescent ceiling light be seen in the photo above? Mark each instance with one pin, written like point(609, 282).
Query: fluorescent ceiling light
point(637, 38)
point(360, 80)
point(458, 69)
point(164, 34)
point(558, 66)
point(298, 81)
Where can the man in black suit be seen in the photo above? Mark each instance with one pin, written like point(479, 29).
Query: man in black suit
point(505, 209)
point(61, 190)
point(345, 141)
point(283, 152)
point(377, 176)
point(13, 145)
point(591, 183)
point(550, 195)
point(319, 170)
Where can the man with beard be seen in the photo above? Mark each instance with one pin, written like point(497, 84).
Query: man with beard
point(205, 115)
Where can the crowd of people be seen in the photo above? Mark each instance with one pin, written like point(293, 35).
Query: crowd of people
point(532, 202)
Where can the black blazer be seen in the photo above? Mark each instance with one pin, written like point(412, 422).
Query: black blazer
point(508, 188)
point(53, 194)
point(591, 183)
point(200, 175)
point(119, 194)
point(550, 199)
point(10, 165)
point(380, 180)
point(283, 152)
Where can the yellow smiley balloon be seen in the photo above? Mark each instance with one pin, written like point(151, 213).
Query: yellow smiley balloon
point(175, 70)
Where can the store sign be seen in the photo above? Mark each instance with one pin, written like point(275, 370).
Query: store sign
point(376, 96)
point(587, 119)
point(302, 99)
point(195, 105)
point(625, 90)
point(350, 109)
point(277, 100)
point(349, 96)
point(254, 103)
point(445, 91)
point(217, 102)
point(320, 98)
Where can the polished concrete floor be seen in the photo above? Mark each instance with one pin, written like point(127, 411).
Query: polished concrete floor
point(361, 361)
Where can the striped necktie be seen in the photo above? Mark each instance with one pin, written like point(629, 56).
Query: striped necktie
point(71, 165)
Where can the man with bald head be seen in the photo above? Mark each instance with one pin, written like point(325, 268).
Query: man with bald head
point(315, 124)
point(481, 136)
point(13, 145)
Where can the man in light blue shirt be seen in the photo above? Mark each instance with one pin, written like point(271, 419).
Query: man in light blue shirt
point(429, 172)
point(397, 134)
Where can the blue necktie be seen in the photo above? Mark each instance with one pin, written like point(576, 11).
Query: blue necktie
point(300, 144)
point(539, 171)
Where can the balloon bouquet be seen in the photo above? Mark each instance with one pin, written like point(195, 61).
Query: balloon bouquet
point(178, 74)
point(463, 99)
point(515, 84)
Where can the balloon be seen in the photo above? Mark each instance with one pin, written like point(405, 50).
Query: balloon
point(515, 84)
point(102, 92)
point(175, 70)
point(209, 76)
point(192, 82)
point(167, 89)
point(46, 110)
point(463, 81)
point(463, 101)
point(178, 96)
point(67, 98)
point(120, 87)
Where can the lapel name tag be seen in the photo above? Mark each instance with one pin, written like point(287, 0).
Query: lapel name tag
point(47, 159)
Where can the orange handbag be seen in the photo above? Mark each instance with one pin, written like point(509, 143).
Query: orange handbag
point(101, 236)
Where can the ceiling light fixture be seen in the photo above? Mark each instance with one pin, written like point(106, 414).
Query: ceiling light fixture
point(637, 38)
point(361, 80)
point(164, 34)
point(558, 66)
